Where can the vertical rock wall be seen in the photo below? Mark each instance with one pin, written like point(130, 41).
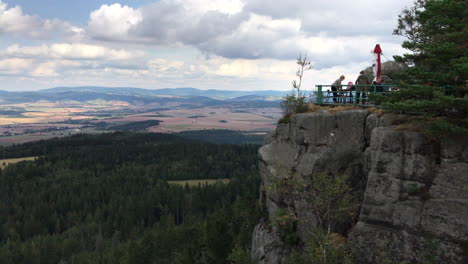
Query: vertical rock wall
point(309, 143)
point(416, 201)
point(413, 190)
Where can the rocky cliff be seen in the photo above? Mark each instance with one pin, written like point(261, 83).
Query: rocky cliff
point(412, 191)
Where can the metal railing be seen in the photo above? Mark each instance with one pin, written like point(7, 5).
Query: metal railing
point(358, 94)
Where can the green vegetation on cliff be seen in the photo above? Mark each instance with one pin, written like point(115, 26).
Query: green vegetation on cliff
point(330, 200)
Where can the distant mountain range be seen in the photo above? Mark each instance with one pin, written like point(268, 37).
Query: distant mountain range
point(186, 91)
point(268, 98)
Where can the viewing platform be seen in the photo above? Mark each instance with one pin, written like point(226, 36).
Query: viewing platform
point(355, 95)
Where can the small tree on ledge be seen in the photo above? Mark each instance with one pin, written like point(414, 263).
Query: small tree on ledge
point(304, 65)
point(296, 103)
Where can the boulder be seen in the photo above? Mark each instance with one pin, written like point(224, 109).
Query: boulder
point(390, 71)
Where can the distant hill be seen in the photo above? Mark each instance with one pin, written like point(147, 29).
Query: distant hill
point(185, 97)
point(99, 89)
point(187, 91)
point(217, 93)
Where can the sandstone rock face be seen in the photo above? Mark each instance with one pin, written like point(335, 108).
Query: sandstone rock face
point(267, 247)
point(414, 191)
point(416, 200)
point(311, 143)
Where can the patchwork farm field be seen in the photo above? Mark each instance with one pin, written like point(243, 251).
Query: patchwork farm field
point(43, 120)
point(217, 118)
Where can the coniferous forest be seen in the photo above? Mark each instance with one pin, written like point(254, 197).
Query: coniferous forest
point(105, 199)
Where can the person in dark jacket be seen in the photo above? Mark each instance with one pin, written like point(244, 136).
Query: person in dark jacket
point(361, 82)
point(378, 85)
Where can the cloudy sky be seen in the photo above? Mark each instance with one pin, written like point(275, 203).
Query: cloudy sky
point(206, 44)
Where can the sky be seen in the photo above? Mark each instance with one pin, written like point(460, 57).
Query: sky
point(205, 44)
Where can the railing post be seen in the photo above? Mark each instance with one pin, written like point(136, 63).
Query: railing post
point(319, 95)
point(374, 93)
point(356, 89)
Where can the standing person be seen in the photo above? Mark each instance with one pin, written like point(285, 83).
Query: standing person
point(362, 81)
point(335, 87)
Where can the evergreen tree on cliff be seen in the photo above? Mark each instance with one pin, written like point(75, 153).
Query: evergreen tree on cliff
point(437, 36)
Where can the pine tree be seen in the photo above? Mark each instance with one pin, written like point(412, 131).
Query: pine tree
point(437, 33)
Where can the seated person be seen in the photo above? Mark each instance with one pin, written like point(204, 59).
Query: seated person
point(378, 85)
point(350, 88)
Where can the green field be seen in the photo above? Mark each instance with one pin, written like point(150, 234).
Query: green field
point(200, 182)
point(6, 162)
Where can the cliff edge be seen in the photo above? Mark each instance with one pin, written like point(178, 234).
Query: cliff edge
point(412, 191)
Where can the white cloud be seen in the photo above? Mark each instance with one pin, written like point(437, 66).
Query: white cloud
point(47, 69)
point(71, 51)
point(63, 59)
point(330, 32)
point(229, 7)
point(257, 37)
point(162, 65)
point(335, 17)
point(241, 44)
point(14, 65)
point(260, 69)
point(239, 68)
point(216, 72)
point(14, 21)
point(165, 22)
point(113, 22)
point(83, 51)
